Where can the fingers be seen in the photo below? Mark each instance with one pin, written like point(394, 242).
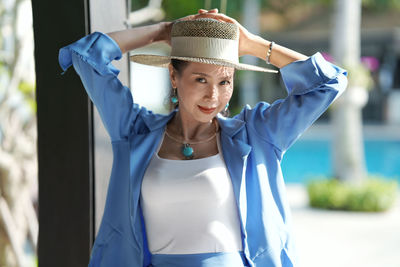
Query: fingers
point(202, 11)
point(217, 16)
point(213, 13)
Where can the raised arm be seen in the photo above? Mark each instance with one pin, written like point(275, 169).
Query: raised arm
point(250, 44)
point(280, 56)
point(312, 85)
point(137, 37)
point(161, 32)
point(92, 58)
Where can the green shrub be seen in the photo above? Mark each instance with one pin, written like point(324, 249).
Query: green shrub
point(375, 194)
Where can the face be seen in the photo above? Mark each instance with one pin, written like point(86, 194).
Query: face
point(203, 90)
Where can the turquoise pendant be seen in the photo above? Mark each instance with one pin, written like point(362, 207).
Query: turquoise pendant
point(187, 151)
point(174, 100)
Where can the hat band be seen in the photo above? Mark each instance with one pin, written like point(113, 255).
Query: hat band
point(205, 47)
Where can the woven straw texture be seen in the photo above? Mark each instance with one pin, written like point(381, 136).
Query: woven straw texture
point(205, 28)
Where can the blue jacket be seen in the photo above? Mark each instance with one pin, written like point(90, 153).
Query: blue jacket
point(253, 144)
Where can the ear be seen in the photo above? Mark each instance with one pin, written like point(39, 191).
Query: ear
point(172, 75)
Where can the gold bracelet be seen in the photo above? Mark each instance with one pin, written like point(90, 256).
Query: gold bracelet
point(269, 52)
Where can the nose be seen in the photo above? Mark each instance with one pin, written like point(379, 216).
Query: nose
point(212, 92)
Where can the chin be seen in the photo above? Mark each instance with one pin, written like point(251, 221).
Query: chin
point(206, 117)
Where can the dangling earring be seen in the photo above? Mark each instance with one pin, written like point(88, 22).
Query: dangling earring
point(174, 96)
point(226, 107)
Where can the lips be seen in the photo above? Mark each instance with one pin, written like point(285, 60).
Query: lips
point(207, 110)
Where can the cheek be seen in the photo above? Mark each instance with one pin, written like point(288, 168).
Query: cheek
point(226, 95)
point(189, 92)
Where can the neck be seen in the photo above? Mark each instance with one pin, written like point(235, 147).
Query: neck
point(189, 129)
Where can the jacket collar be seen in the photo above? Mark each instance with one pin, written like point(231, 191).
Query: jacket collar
point(157, 121)
point(230, 126)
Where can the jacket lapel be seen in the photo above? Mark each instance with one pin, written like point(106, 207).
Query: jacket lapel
point(236, 152)
point(143, 146)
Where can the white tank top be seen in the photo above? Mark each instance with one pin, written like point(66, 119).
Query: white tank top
point(189, 206)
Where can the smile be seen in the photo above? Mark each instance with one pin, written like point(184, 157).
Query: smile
point(207, 110)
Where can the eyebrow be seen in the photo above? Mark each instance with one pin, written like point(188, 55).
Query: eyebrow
point(205, 74)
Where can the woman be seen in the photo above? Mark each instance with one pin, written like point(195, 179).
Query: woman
point(193, 188)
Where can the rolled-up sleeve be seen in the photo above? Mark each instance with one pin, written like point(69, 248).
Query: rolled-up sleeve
point(92, 58)
point(312, 85)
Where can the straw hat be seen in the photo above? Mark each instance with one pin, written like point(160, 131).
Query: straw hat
point(202, 40)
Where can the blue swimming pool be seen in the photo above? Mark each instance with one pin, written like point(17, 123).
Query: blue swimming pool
point(312, 158)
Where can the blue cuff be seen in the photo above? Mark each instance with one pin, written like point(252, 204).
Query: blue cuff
point(304, 75)
point(97, 49)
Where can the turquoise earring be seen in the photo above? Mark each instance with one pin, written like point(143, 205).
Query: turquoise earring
point(174, 96)
point(226, 107)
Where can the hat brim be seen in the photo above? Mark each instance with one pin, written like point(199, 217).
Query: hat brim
point(163, 61)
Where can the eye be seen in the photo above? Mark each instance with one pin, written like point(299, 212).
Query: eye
point(225, 83)
point(201, 80)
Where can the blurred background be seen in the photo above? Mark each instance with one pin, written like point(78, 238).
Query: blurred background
point(356, 139)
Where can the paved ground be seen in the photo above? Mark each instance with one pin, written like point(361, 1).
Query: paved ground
point(344, 239)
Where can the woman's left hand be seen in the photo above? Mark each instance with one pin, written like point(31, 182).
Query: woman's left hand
point(167, 26)
point(245, 37)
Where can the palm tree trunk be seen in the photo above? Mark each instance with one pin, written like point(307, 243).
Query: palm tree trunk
point(348, 150)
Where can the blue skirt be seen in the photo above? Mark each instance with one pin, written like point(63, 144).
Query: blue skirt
point(219, 259)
